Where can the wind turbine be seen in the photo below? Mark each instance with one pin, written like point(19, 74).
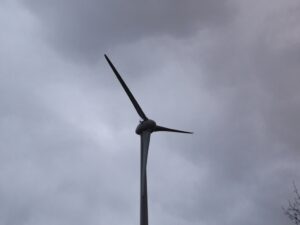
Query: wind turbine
point(144, 129)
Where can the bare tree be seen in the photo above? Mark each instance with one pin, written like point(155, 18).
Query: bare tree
point(293, 209)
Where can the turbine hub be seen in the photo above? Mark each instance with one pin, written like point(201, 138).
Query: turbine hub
point(145, 125)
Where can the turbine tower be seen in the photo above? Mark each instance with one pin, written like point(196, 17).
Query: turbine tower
point(144, 129)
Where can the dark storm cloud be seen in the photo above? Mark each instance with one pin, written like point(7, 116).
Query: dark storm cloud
point(47, 166)
point(44, 155)
point(252, 69)
point(85, 29)
point(262, 67)
point(228, 72)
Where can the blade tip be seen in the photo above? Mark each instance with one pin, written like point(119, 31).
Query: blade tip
point(106, 57)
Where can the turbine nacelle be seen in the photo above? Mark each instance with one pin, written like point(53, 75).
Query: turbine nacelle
point(145, 125)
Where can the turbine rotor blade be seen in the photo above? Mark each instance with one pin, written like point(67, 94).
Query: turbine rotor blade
point(160, 128)
point(128, 92)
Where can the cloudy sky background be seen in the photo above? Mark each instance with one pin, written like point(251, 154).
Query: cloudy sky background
point(227, 70)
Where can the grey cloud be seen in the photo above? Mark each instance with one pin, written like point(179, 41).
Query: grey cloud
point(68, 150)
point(263, 70)
point(50, 168)
point(85, 29)
point(252, 145)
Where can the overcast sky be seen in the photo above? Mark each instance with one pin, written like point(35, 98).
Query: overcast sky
point(227, 70)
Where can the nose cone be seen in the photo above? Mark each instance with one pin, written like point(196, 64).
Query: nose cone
point(145, 125)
